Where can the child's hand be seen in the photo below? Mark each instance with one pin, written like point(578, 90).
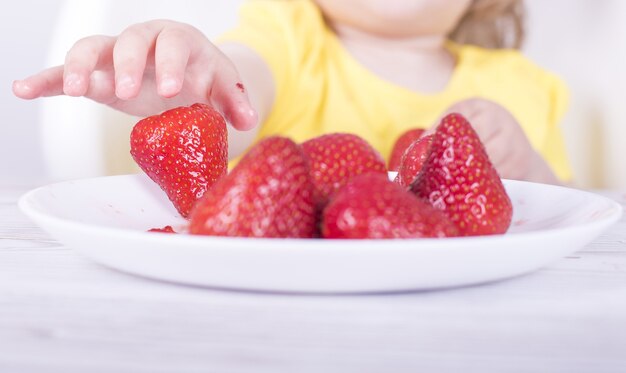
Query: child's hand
point(148, 68)
point(505, 141)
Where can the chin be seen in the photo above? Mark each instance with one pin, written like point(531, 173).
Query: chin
point(396, 18)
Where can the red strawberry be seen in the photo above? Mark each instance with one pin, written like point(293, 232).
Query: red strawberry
point(402, 143)
point(413, 159)
point(183, 150)
point(371, 206)
point(338, 157)
point(459, 179)
point(268, 194)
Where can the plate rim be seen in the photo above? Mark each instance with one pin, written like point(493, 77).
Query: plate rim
point(614, 213)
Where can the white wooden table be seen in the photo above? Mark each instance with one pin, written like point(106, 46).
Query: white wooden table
point(62, 313)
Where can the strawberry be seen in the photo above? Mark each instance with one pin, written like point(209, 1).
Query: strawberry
point(413, 159)
point(401, 145)
point(268, 194)
point(459, 179)
point(184, 150)
point(371, 206)
point(338, 157)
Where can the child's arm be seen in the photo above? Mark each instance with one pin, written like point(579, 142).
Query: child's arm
point(157, 65)
point(505, 141)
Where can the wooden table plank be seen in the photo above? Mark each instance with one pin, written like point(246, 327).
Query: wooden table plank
point(62, 313)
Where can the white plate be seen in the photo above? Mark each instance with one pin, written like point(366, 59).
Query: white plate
point(106, 219)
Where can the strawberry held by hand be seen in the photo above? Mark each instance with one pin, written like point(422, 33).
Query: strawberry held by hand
point(268, 194)
point(336, 158)
point(402, 144)
point(459, 179)
point(371, 206)
point(184, 150)
point(412, 160)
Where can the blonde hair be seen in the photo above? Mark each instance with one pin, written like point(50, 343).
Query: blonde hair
point(492, 24)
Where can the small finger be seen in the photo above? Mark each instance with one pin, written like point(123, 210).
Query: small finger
point(48, 82)
point(130, 56)
point(171, 56)
point(81, 61)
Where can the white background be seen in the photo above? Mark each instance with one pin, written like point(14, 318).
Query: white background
point(25, 32)
point(582, 40)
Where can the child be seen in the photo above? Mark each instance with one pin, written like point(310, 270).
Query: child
point(302, 68)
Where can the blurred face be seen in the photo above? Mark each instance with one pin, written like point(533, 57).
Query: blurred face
point(396, 18)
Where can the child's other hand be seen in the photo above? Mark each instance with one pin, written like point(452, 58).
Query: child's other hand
point(148, 68)
point(505, 141)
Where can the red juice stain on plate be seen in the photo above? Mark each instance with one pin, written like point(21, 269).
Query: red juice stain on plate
point(520, 222)
point(240, 87)
point(166, 229)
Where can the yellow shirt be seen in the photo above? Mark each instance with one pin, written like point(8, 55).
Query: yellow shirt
point(321, 88)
